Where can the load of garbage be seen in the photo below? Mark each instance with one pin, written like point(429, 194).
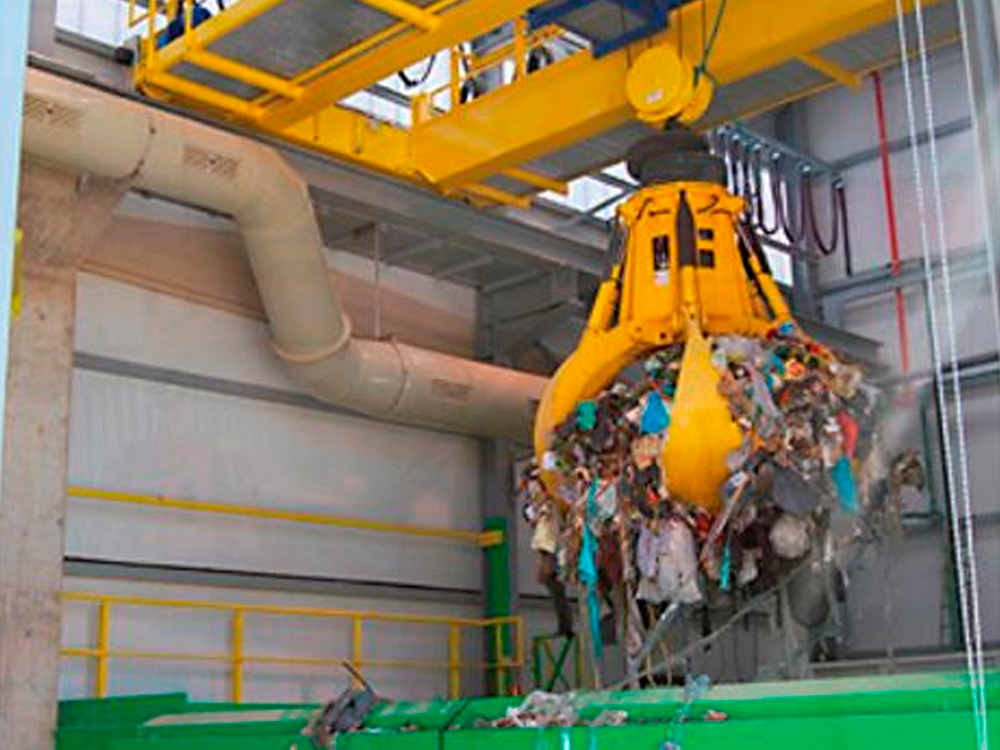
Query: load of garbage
point(601, 504)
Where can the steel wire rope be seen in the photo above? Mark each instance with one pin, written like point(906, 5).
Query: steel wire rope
point(968, 594)
point(956, 383)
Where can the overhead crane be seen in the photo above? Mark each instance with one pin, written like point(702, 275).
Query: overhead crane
point(283, 68)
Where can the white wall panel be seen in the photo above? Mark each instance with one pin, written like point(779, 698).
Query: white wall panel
point(841, 121)
point(147, 437)
point(135, 325)
point(150, 437)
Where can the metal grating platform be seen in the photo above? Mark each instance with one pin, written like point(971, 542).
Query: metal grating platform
point(455, 259)
point(294, 37)
point(607, 24)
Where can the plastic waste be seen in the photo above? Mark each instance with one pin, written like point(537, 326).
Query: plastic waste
point(587, 571)
point(803, 428)
point(654, 417)
point(790, 537)
point(846, 488)
point(694, 689)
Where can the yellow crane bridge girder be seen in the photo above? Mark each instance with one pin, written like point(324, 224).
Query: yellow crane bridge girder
point(581, 97)
point(499, 132)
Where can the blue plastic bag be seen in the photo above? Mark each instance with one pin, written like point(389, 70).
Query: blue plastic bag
point(655, 418)
point(846, 488)
point(587, 570)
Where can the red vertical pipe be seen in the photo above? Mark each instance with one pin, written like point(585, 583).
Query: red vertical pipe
point(890, 212)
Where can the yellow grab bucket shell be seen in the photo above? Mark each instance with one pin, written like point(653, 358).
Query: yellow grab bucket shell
point(702, 431)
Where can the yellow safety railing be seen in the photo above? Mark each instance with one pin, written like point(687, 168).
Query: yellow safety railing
point(465, 66)
point(507, 667)
point(481, 538)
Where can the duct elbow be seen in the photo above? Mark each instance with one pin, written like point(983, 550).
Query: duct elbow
point(90, 131)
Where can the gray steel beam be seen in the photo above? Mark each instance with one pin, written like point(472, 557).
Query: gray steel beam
point(511, 335)
point(463, 266)
point(353, 237)
point(789, 126)
point(858, 348)
point(780, 146)
point(413, 251)
point(262, 580)
point(394, 202)
point(836, 295)
point(512, 281)
point(944, 130)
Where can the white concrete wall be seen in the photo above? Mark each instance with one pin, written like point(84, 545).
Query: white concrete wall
point(135, 434)
point(840, 123)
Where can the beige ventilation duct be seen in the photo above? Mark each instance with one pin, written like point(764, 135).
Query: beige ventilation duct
point(89, 131)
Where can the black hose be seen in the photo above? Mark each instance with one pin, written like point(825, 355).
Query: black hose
point(422, 78)
point(836, 190)
point(784, 204)
point(745, 167)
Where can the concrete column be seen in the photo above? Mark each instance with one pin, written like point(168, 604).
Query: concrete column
point(61, 215)
point(32, 506)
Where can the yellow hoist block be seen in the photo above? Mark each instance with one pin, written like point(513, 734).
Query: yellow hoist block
point(686, 269)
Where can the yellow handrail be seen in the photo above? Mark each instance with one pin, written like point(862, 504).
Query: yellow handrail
point(238, 660)
point(515, 51)
point(481, 538)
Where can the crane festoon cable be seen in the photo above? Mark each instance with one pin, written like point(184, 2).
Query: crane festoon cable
point(838, 213)
point(951, 329)
point(785, 204)
point(757, 171)
point(967, 596)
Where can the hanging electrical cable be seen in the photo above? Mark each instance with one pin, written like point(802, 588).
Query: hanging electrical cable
point(757, 191)
point(962, 543)
point(838, 210)
point(779, 188)
point(420, 80)
point(784, 203)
